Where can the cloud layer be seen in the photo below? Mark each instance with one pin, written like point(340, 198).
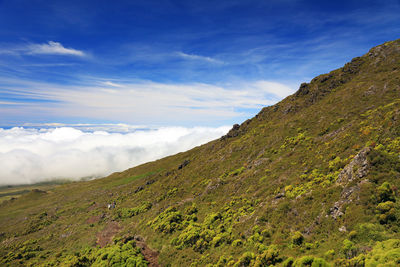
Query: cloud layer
point(34, 155)
point(139, 102)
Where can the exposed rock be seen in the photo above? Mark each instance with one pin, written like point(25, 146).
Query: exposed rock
point(371, 90)
point(138, 189)
point(348, 195)
point(303, 90)
point(185, 163)
point(232, 132)
point(353, 66)
point(38, 191)
point(150, 182)
point(258, 162)
point(138, 238)
point(356, 169)
point(288, 109)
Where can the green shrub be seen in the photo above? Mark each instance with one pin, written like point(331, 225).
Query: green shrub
point(310, 261)
point(270, 256)
point(237, 243)
point(119, 254)
point(237, 171)
point(130, 212)
point(172, 192)
point(386, 212)
point(329, 254)
point(168, 221)
point(288, 262)
point(367, 232)
point(297, 238)
point(245, 259)
point(223, 261)
point(385, 253)
point(385, 193)
point(336, 164)
point(191, 210)
point(353, 234)
point(349, 250)
point(318, 262)
point(304, 261)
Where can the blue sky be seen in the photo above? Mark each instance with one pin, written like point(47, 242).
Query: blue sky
point(184, 63)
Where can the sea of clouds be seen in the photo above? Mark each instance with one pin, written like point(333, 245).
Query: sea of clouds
point(37, 154)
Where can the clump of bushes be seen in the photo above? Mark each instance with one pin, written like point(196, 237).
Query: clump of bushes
point(349, 250)
point(300, 138)
point(168, 221)
point(385, 253)
point(310, 261)
point(386, 208)
point(214, 231)
point(130, 212)
point(172, 192)
point(385, 193)
point(245, 260)
point(386, 211)
point(117, 254)
point(237, 171)
point(270, 256)
point(38, 222)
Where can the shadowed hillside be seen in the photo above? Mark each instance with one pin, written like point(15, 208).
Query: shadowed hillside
point(310, 181)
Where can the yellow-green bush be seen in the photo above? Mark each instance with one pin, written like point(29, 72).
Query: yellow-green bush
point(168, 221)
point(297, 238)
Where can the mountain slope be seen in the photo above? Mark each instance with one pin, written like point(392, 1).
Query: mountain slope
point(310, 180)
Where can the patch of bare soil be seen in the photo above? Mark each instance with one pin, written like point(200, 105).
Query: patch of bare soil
point(150, 255)
point(106, 235)
point(95, 218)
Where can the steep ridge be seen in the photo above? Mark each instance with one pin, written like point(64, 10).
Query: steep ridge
point(312, 180)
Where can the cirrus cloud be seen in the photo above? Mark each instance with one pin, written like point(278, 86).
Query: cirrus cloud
point(49, 48)
point(140, 102)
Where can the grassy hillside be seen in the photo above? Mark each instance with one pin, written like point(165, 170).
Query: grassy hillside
point(310, 181)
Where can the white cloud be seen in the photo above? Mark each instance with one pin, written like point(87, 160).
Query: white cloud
point(112, 84)
point(35, 155)
point(145, 102)
point(8, 103)
point(197, 57)
point(53, 48)
point(277, 90)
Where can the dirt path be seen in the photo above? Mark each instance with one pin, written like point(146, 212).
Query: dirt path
point(150, 255)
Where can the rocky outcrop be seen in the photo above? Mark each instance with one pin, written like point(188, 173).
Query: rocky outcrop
point(348, 195)
point(232, 132)
point(356, 169)
point(183, 164)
